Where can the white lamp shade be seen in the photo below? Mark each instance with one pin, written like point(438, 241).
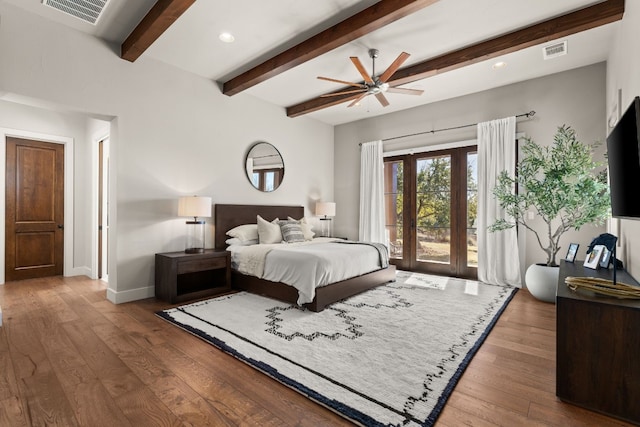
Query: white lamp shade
point(194, 206)
point(325, 209)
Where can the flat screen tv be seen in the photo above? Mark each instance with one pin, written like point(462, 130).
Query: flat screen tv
point(623, 148)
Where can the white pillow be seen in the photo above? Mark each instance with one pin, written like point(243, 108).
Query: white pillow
point(246, 232)
point(269, 232)
point(307, 229)
point(239, 242)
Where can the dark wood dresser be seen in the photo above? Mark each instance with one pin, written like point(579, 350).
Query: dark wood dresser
point(598, 346)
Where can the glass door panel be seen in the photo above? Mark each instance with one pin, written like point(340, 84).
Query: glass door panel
point(393, 206)
point(472, 209)
point(269, 181)
point(433, 209)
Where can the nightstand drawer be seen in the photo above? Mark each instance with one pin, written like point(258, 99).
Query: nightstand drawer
point(191, 266)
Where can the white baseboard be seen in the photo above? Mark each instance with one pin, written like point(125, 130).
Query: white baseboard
point(78, 271)
point(130, 295)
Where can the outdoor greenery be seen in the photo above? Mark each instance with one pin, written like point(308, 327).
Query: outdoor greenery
point(433, 193)
point(433, 200)
point(560, 182)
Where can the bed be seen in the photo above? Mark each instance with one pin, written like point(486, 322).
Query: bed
point(230, 216)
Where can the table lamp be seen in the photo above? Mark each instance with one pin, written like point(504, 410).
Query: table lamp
point(326, 209)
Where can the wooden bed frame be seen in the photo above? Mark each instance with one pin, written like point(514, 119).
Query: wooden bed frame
point(229, 216)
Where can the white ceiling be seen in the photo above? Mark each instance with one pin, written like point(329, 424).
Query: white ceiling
point(264, 28)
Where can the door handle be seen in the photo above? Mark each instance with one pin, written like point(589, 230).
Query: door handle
point(61, 227)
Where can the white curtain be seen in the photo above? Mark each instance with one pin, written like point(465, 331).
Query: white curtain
point(498, 260)
point(372, 227)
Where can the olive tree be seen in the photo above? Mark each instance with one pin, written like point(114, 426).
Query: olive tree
point(560, 182)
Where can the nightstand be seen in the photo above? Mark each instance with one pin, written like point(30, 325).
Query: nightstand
point(182, 277)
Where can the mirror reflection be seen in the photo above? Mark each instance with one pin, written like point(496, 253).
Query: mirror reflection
point(264, 166)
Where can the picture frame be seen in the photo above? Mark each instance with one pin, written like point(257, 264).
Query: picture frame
point(606, 257)
point(594, 257)
point(572, 252)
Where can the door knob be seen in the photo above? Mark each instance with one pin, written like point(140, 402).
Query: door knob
point(61, 227)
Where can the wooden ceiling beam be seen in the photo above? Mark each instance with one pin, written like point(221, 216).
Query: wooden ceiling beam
point(372, 18)
point(161, 16)
point(584, 19)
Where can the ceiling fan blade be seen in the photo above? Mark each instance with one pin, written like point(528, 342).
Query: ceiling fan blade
point(344, 82)
point(360, 67)
point(355, 101)
point(343, 92)
point(382, 99)
point(405, 91)
point(393, 67)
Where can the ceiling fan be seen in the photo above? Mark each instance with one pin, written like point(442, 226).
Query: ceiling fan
point(372, 85)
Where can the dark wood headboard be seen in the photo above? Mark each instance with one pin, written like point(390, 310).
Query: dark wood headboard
point(229, 216)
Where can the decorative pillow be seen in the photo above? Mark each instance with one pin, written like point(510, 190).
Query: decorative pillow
point(291, 231)
point(239, 242)
point(307, 229)
point(269, 232)
point(246, 232)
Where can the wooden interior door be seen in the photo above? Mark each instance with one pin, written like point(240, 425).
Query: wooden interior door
point(34, 217)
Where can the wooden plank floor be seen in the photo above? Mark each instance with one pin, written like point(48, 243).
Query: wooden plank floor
point(69, 357)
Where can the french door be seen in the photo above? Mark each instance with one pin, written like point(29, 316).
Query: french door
point(267, 179)
point(430, 207)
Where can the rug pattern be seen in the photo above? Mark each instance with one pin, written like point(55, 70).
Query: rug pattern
point(390, 356)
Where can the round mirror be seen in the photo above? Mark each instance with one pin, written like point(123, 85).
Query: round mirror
point(264, 166)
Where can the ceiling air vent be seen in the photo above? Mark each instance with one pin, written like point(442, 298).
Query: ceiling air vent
point(554, 50)
point(87, 10)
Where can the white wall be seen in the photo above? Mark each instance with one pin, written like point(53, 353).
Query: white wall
point(173, 134)
point(575, 98)
point(623, 73)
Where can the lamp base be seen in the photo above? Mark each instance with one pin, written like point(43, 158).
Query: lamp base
point(194, 251)
point(325, 230)
point(195, 237)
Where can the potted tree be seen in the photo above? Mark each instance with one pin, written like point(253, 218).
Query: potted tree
point(561, 183)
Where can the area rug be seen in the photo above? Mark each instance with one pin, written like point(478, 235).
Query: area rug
point(389, 356)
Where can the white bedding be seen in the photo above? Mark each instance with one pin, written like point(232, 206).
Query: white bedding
point(305, 265)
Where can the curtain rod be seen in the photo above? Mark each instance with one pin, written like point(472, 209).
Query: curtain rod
point(529, 114)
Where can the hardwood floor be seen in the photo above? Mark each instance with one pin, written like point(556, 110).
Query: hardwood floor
point(69, 357)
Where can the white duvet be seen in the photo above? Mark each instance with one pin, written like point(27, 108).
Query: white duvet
point(305, 265)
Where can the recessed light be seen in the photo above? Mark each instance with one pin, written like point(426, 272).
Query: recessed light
point(226, 37)
point(500, 64)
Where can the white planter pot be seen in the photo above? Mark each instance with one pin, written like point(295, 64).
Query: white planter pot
point(542, 281)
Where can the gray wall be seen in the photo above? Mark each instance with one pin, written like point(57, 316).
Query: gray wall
point(623, 74)
point(575, 98)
